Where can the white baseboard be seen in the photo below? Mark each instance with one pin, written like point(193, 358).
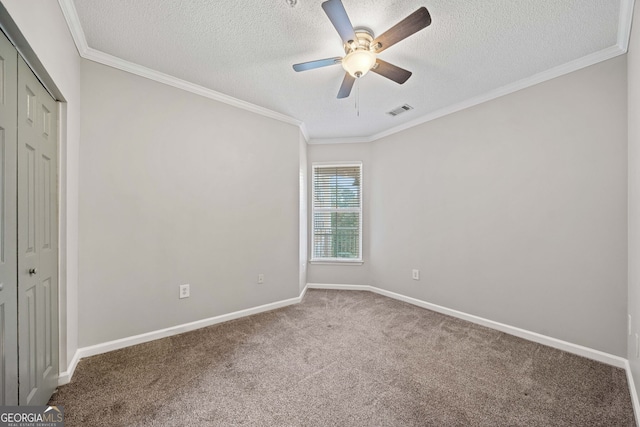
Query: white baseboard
point(620, 362)
point(587, 352)
point(65, 377)
point(597, 355)
point(341, 287)
point(633, 392)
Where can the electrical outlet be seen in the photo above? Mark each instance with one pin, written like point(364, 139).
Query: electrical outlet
point(415, 274)
point(260, 278)
point(184, 291)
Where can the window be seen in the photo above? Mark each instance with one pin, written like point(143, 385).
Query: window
point(337, 212)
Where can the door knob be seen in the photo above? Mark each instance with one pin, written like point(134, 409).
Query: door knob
point(32, 271)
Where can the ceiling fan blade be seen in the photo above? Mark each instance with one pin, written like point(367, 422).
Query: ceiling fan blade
point(340, 20)
point(411, 24)
point(317, 64)
point(390, 71)
point(347, 84)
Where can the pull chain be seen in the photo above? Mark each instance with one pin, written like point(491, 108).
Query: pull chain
point(357, 104)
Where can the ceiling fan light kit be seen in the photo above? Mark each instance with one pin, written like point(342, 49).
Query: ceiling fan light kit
point(360, 58)
point(359, 62)
point(362, 49)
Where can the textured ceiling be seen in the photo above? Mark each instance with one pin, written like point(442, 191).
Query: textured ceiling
point(245, 49)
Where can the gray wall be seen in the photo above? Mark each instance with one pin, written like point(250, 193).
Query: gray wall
point(633, 73)
point(513, 210)
point(176, 188)
point(345, 273)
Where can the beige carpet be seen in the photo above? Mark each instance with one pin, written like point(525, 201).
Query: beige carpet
point(344, 358)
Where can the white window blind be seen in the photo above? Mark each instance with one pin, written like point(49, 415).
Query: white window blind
point(337, 212)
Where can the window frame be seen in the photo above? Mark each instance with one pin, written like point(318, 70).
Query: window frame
point(359, 210)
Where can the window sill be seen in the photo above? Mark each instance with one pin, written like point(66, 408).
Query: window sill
point(335, 262)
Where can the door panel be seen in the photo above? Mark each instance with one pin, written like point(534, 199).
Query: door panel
point(30, 213)
point(46, 203)
point(37, 240)
point(28, 345)
point(8, 225)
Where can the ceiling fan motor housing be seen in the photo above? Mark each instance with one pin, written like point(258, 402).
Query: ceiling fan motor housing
point(365, 38)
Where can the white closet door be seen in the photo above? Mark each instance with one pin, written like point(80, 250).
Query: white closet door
point(37, 240)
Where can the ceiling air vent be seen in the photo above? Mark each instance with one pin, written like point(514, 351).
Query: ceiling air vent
point(400, 110)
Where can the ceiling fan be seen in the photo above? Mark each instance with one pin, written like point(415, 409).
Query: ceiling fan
point(361, 48)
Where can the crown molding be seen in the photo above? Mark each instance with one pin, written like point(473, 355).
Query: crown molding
point(73, 22)
point(621, 47)
point(86, 52)
point(304, 132)
point(569, 67)
point(349, 140)
point(130, 67)
point(624, 24)
point(558, 71)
